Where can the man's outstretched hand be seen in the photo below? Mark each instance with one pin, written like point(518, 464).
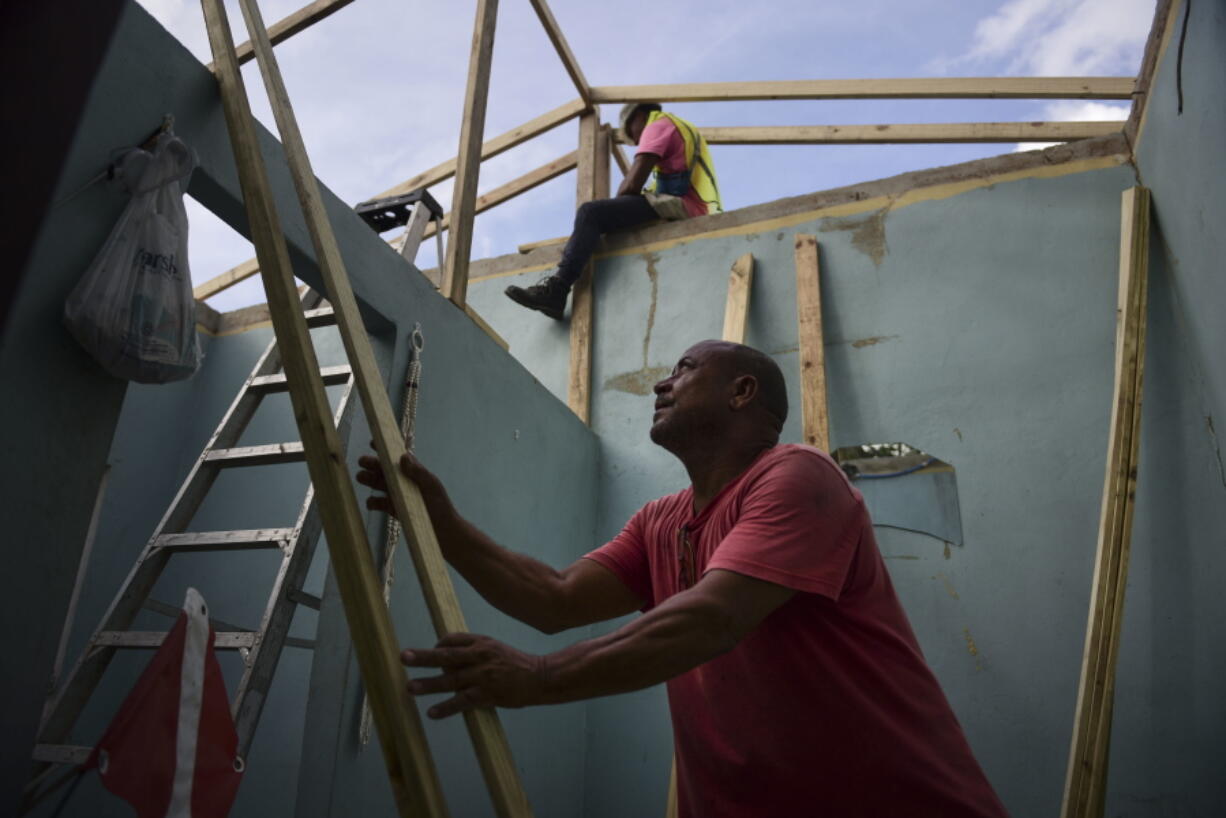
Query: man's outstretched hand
point(481, 671)
point(371, 474)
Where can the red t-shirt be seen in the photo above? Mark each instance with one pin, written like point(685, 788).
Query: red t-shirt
point(664, 140)
point(827, 707)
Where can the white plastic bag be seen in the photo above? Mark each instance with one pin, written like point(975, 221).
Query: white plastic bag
point(133, 310)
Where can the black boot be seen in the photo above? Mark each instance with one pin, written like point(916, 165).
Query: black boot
point(548, 296)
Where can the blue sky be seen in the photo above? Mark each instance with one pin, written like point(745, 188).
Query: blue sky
point(378, 89)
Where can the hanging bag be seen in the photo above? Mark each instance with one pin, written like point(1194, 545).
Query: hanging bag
point(133, 310)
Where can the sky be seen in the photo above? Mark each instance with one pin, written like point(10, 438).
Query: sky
point(378, 90)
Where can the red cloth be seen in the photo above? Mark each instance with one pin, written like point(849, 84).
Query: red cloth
point(664, 140)
point(828, 707)
point(139, 755)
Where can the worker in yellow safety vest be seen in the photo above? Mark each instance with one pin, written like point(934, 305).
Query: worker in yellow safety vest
point(684, 187)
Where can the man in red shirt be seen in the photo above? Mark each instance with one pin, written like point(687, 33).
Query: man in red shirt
point(795, 683)
point(675, 150)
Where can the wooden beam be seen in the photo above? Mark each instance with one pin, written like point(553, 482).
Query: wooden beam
point(414, 780)
point(623, 164)
point(489, 740)
point(515, 187)
point(532, 245)
point(290, 25)
point(226, 280)
point(593, 183)
point(1086, 778)
point(464, 198)
point(560, 45)
point(493, 147)
point(814, 418)
point(911, 133)
point(736, 310)
point(910, 88)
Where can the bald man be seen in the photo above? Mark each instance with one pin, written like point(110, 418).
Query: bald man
point(795, 683)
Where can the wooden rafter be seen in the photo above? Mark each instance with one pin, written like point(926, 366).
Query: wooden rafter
point(503, 142)
point(1086, 779)
point(623, 164)
point(559, 43)
point(468, 169)
point(290, 25)
point(909, 88)
point(910, 133)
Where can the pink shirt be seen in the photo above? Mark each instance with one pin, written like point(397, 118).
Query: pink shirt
point(828, 707)
point(664, 140)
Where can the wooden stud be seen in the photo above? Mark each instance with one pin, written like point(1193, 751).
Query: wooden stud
point(911, 133)
point(489, 739)
point(559, 43)
point(533, 245)
point(464, 199)
point(670, 806)
point(814, 417)
point(736, 311)
point(290, 25)
point(411, 770)
point(623, 164)
point(593, 184)
point(910, 88)
point(1086, 778)
point(493, 147)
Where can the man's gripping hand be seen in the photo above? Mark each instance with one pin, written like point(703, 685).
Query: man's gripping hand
point(371, 474)
point(482, 672)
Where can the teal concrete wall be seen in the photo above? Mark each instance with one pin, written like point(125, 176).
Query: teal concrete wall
point(1172, 660)
point(980, 328)
point(486, 425)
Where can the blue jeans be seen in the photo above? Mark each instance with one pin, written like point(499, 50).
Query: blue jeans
point(593, 220)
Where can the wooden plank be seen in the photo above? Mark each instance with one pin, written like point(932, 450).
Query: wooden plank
point(1086, 777)
point(593, 183)
point(290, 25)
point(910, 88)
point(414, 781)
point(670, 806)
point(736, 310)
point(910, 133)
point(489, 740)
point(226, 280)
point(464, 199)
point(503, 142)
point(532, 245)
point(554, 31)
point(814, 419)
point(516, 187)
point(623, 163)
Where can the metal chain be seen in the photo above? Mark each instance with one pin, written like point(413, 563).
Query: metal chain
point(408, 422)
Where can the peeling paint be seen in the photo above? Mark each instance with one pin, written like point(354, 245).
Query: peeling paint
point(972, 648)
point(867, 233)
point(949, 586)
point(876, 339)
point(638, 382)
point(947, 552)
point(958, 432)
point(654, 276)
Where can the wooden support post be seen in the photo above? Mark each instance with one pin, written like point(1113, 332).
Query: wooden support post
point(560, 45)
point(489, 740)
point(464, 199)
point(411, 772)
point(623, 164)
point(814, 418)
point(593, 184)
point(1086, 779)
point(736, 311)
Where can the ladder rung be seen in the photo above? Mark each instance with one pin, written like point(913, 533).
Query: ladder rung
point(267, 455)
point(331, 375)
point(303, 598)
point(61, 753)
point(226, 640)
point(225, 540)
point(322, 317)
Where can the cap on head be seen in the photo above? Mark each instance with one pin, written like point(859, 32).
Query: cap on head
point(629, 110)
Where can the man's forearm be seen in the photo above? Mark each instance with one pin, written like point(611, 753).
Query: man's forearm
point(677, 636)
point(516, 584)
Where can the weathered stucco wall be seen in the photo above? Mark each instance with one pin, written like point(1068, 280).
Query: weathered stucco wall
point(485, 424)
point(976, 321)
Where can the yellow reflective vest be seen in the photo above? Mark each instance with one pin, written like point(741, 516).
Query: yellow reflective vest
point(698, 163)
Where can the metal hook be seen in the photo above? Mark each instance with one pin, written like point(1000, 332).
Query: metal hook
point(419, 340)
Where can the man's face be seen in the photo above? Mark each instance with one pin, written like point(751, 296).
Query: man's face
point(693, 400)
point(636, 124)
